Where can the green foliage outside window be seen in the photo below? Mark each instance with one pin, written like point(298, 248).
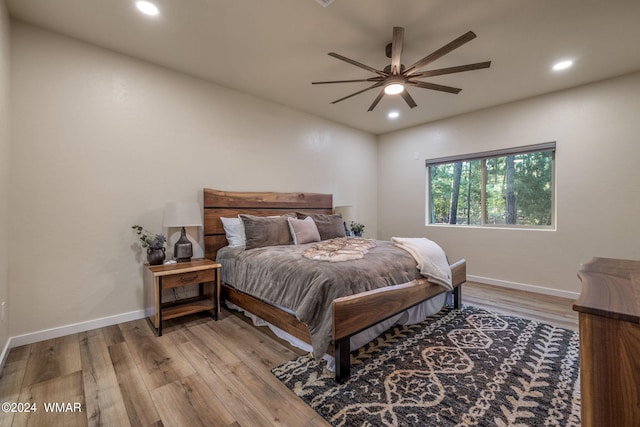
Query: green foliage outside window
point(518, 190)
point(469, 207)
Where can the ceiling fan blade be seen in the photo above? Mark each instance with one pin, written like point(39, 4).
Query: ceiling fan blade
point(451, 70)
point(372, 79)
point(358, 92)
point(375, 101)
point(357, 64)
point(408, 99)
point(434, 86)
point(468, 36)
point(396, 49)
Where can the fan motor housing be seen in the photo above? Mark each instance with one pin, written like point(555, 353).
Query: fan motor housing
point(387, 69)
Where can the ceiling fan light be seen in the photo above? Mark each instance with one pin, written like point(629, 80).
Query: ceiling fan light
point(393, 88)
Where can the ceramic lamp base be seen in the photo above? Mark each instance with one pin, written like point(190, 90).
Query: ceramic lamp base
point(183, 249)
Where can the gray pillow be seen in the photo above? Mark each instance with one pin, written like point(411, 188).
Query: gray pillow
point(329, 226)
point(265, 231)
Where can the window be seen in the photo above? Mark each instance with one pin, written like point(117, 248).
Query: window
point(512, 187)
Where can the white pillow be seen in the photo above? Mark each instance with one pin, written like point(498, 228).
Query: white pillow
point(303, 230)
point(234, 229)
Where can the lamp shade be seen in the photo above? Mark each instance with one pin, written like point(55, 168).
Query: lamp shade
point(346, 211)
point(182, 214)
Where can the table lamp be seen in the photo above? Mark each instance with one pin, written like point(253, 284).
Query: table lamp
point(183, 214)
point(347, 216)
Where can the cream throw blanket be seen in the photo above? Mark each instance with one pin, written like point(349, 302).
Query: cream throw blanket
point(431, 259)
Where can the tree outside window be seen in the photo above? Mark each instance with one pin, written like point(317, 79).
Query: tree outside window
point(509, 187)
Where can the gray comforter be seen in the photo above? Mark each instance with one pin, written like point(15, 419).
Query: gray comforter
point(281, 275)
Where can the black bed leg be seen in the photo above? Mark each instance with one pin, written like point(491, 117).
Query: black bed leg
point(457, 296)
point(343, 359)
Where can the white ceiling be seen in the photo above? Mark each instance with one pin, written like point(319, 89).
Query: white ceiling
point(274, 49)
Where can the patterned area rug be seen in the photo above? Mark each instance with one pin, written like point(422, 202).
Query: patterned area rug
point(467, 367)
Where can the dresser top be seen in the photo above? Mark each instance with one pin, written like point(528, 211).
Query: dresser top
point(610, 288)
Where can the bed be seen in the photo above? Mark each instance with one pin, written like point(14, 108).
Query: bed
point(349, 314)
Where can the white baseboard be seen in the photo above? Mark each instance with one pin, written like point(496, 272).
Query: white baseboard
point(74, 328)
point(524, 287)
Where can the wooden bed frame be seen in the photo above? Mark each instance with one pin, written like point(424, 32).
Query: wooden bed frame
point(351, 314)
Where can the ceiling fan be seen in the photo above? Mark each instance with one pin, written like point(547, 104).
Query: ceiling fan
point(396, 76)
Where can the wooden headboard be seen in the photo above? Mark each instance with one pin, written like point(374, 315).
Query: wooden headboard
point(228, 204)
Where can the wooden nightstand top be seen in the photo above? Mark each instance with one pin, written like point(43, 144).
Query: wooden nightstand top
point(183, 267)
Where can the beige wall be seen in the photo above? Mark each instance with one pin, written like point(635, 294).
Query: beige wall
point(597, 131)
point(103, 141)
point(4, 167)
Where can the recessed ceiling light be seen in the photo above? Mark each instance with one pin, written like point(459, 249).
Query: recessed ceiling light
point(562, 65)
point(147, 8)
point(393, 115)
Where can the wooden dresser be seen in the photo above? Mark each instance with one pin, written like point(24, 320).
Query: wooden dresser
point(609, 320)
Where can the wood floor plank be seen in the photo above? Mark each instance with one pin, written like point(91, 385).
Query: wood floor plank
point(544, 308)
point(213, 349)
point(94, 353)
point(136, 329)
point(263, 352)
point(11, 380)
point(65, 390)
point(190, 402)
point(255, 372)
point(212, 369)
point(268, 398)
point(105, 406)
point(112, 334)
point(141, 410)
point(158, 362)
point(19, 353)
point(232, 374)
point(53, 358)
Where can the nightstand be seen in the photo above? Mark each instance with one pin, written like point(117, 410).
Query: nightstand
point(202, 272)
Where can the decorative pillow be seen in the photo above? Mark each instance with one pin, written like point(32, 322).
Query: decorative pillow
point(329, 226)
point(234, 229)
point(303, 230)
point(265, 231)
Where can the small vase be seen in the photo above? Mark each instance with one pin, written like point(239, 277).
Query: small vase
point(155, 256)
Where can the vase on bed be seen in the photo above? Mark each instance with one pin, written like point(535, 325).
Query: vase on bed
point(155, 256)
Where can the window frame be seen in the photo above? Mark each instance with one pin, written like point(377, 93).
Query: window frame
point(483, 157)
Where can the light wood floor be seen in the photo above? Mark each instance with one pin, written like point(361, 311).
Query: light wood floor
point(199, 373)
